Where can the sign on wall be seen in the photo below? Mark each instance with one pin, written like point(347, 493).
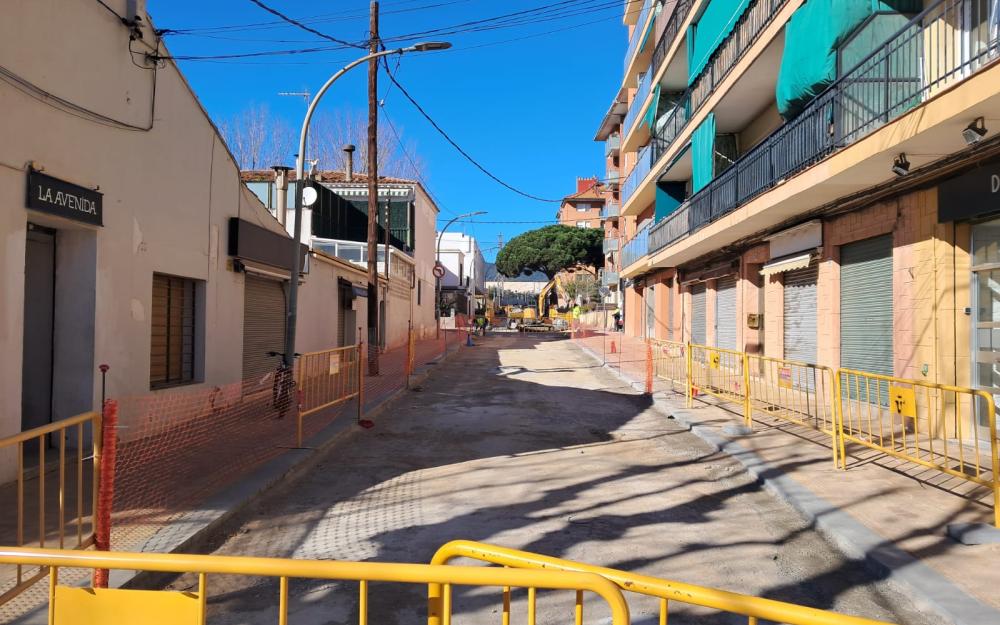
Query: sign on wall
point(975, 193)
point(64, 199)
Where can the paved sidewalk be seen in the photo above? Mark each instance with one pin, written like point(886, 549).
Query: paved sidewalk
point(890, 513)
point(523, 441)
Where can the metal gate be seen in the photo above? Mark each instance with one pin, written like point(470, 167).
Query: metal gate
point(263, 325)
point(725, 313)
point(799, 319)
point(866, 305)
point(698, 313)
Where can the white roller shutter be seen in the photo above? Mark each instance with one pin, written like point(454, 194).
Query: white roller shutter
point(263, 325)
point(799, 318)
point(650, 304)
point(725, 312)
point(698, 313)
point(866, 305)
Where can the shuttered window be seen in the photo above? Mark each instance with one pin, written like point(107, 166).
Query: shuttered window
point(725, 313)
point(171, 354)
point(866, 306)
point(698, 313)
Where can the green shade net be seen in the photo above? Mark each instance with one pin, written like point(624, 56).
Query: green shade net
point(649, 118)
point(669, 196)
point(812, 38)
point(703, 153)
point(712, 28)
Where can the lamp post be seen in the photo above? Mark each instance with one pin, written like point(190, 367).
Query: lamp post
point(437, 262)
point(293, 287)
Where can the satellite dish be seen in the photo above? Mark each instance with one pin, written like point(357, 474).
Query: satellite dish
point(309, 196)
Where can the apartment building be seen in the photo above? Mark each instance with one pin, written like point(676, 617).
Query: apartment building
point(815, 181)
point(463, 286)
point(595, 204)
point(335, 228)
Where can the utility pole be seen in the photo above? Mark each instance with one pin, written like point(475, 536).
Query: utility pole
point(373, 327)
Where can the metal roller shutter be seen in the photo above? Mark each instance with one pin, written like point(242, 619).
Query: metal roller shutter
point(263, 325)
point(670, 313)
point(725, 313)
point(698, 313)
point(799, 320)
point(650, 304)
point(866, 305)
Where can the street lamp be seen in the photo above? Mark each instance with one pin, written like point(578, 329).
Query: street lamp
point(437, 262)
point(293, 288)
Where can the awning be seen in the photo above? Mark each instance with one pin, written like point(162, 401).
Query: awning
point(789, 263)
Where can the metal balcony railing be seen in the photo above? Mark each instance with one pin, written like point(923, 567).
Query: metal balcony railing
point(611, 208)
point(638, 173)
point(640, 26)
point(609, 278)
point(612, 145)
point(926, 56)
point(641, 94)
point(669, 34)
point(636, 247)
point(612, 176)
point(610, 245)
point(758, 15)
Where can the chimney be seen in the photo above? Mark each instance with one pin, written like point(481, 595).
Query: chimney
point(585, 184)
point(349, 173)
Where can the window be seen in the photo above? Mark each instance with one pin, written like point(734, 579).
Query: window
point(583, 224)
point(171, 355)
point(582, 207)
point(420, 283)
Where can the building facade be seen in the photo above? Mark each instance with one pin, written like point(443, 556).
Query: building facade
point(463, 286)
point(815, 184)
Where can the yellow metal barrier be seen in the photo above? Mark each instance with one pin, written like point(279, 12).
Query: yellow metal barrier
point(722, 373)
point(799, 392)
point(59, 509)
point(756, 608)
point(670, 363)
point(326, 378)
point(947, 428)
point(69, 605)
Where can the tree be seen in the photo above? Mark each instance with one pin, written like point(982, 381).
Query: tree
point(257, 138)
point(552, 249)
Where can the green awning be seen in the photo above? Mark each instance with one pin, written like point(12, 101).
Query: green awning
point(645, 35)
point(649, 118)
point(712, 28)
point(703, 154)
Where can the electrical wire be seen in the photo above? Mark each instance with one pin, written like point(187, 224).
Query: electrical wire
point(461, 151)
point(112, 11)
point(302, 26)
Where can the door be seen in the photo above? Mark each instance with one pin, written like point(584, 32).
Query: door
point(725, 313)
point(670, 311)
point(986, 307)
point(698, 313)
point(650, 305)
point(866, 306)
point(799, 318)
point(263, 326)
point(39, 318)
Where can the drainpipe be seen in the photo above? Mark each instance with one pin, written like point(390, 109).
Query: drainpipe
point(281, 188)
point(349, 172)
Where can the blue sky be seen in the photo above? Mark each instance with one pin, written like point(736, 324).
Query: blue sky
point(523, 100)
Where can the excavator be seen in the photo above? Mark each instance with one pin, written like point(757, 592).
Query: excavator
point(543, 318)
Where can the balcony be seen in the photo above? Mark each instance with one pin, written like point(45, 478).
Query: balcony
point(609, 278)
point(637, 32)
point(637, 103)
point(610, 245)
point(612, 145)
point(638, 173)
point(897, 77)
point(612, 177)
point(636, 248)
point(611, 210)
point(669, 35)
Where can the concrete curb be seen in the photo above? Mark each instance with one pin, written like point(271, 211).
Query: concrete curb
point(202, 530)
point(925, 587)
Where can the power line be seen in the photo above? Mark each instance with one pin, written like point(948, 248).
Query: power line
point(299, 24)
point(461, 151)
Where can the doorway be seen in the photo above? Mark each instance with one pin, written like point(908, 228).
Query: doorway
point(986, 309)
point(39, 325)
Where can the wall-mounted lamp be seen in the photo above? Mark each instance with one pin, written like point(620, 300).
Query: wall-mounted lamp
point(901, 166)
point(974, 132)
